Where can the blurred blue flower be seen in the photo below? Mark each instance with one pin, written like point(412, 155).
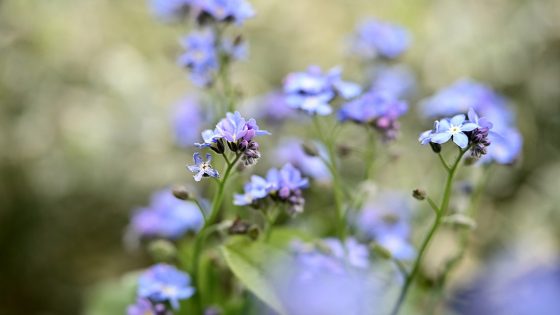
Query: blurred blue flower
point(236, 11)
point(291, 151)
point(170, 10)
point(202, 168)
point(515, 292)
point(464, 94)
point(385, 219)
point(453, 128)
point(313, 90)
point(165, 283)
point(330, 279)
point(397, 81)
point(200, 56)
point(374, 38)
point(187, 122)
point(378, 109)
point(166, 217)
point(144, 307)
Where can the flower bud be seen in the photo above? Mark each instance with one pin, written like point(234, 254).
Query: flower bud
point(310, 149)
point(436, 147)
point(419, 194)
point(239, 227)
point(181, 192)
point(162, 250)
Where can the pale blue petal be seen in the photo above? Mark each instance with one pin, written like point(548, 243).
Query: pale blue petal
point(469, 127)
point(443, 125)
point(457, 120)
point(441, 137)
point(461, 140)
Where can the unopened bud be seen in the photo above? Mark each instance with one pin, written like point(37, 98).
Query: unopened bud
point(239, 227)
point(162, 250)
point(181, 192)
point(436, 147)
point(309, 149)
point(381, 251)
point(419, 194)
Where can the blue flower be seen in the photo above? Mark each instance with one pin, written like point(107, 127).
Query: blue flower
point(331, 277)
point(145, 307)
point(170, 10)
point(209, 137)
point(453, 128)
point(201, 168)
point(166, 217)
point(200, 56)
point(312, 91)
point(187, 121)
point(378, 109)
point(257, 188)
point(228, 10)
point(164, 283)
point(374, 38)
point(385, 219)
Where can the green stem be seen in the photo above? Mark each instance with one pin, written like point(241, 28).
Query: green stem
point(207, 229)
point(435, 225)
point(369, 154)
point(337, 183)
point(271, 216)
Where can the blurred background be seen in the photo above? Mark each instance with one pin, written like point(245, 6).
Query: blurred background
point(86, 95)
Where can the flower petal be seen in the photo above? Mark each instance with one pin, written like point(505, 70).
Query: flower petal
point(443, 125)
point(197, 158)
point(457, 120)
point(198, 175)
point(461, 140)
point(208, 158)
point(469, 127)
point(441, 137)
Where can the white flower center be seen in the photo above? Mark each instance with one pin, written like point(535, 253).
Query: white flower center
point(454, 130)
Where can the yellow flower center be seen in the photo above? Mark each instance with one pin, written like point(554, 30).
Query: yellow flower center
point(455, 129)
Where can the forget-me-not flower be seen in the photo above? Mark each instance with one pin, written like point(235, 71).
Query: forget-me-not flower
point(200, 56)
point(312, 91)
point(167, 217)
point(202, 168)
point(454, 129)
point(374, 38)
point(165, 283)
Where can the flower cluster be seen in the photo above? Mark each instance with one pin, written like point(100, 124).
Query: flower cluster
point(163, 283)
point(377, 109)
point(312, 91)
point(204, 53)
point(237, 134)
point(465, 94)
point(166, 217)
point(454, 128)
point(204, 11)
point(374, 38)
point(281, 185)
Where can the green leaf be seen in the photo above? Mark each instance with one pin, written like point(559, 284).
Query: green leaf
point(247, 260)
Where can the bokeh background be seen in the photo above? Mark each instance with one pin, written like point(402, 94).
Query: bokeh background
point(86, 88)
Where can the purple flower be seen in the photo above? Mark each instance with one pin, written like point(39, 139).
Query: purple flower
point(145, 307)
point(201, 168)
point(164, 283)
point(200, 56)
point(166, 217)
point(374, 38)
point(236, 11)
point(187, 122)
point(453, 128)
point(386, 220)
point(232, 128)
point(312, 91)
point(380, 110)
